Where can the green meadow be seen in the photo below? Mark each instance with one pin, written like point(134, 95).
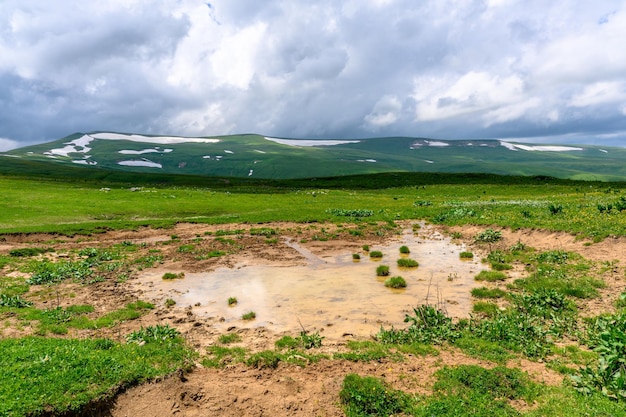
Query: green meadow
point(589, 209)
point(48, 374)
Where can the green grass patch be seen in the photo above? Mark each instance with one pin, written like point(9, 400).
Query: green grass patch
point(407, 263)
point(250, 315)
point(466, 255)
point(382, 270)
point(405, 249)
point(485, 308)
point(395, 282)
point(490, 276)
point(376, 254)
point(484, 292)
point(51, 375)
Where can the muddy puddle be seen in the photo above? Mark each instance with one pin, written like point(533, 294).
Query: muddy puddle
point(333, 294)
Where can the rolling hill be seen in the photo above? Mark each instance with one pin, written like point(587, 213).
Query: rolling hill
point(257, 156)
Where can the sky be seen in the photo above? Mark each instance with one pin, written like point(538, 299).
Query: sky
point(528, 70)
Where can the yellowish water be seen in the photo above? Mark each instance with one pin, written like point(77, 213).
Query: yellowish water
point(334, 294)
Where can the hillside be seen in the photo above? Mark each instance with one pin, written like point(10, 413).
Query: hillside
point(257, 156)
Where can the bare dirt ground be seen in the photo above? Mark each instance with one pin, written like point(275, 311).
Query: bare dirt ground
point(239, 390)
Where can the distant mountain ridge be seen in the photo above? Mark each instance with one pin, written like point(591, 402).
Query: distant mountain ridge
point(252, 155)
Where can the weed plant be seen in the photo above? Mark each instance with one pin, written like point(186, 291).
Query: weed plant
point(466, 255)
point(232, 301)
point(376, 254)
point(152, 334)
point(356, 256)
point(404, 249)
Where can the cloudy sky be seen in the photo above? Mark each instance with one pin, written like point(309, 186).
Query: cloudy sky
point(545, 71)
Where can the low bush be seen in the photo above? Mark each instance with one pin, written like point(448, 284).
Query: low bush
point(405, 249)
point(376, 254)
point(466, 255)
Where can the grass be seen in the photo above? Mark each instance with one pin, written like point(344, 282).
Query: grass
point(376, 254)
point(64, 375)
point(484, 292)
point(466, 255)
point(382, 270)
point(250, 315)
point(395, 282)
point(172, 275)
point(490, 276)
point(232, 301)
point(404, 249)
point(407, 263)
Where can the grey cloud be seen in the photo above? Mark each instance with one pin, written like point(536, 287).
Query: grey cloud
point(313, 69)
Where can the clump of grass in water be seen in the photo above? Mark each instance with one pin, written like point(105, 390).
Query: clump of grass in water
point(232, 301)
point(405, 249)
point(382, 270)
point(466, 255)
point(356, 256)
point(171, 275)
point(395, 282)
point(250, 315)
point(376, 254)
point(407, 263)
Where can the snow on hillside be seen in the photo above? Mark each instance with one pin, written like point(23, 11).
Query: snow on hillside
point(297, 142)
point(538, 148)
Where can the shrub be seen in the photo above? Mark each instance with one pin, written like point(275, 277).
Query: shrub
point(376, 254)
point(466, 255)
point(310, 340)
point(232, 301)
point(366, 248)
point(395, 282)
point(170, 303)
point(404, 249)
point(407, 263)
point(555, 209)
point(427, 325)
point(490, 276)
point(356, 256)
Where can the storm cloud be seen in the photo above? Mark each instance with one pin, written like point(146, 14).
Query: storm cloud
point(535, 70)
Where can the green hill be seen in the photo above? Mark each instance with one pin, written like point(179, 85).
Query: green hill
point(256, 156)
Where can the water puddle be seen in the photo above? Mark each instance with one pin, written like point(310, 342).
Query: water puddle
point(334, 294)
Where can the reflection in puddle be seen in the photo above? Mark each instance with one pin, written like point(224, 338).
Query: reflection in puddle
point(335, 295)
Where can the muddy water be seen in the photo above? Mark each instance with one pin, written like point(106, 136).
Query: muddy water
point(334, 294)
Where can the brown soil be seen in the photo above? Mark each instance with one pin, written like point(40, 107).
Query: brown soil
point(288, 390)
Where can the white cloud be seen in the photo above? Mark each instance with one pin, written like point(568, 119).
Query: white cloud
point(433, 68)
point(600, 93)
point(8, 144)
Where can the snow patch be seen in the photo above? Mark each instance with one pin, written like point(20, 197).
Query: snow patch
point(256, 150)
point(84, 162)
point(603, 150)
point(539, 148)
point(141, 152)
point(297, 142)
point(230, 152)
point(367, 160)
point(142, 163)
point(250, 173)
point(428, 161)
point(436, 143)
point(162, 140)
point(10, 156)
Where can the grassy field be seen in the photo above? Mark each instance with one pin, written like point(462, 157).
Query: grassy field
point(45, 375)
point(593, 210)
